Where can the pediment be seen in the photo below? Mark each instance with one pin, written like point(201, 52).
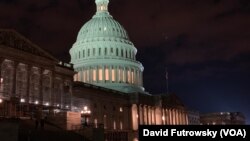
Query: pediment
point(13, 39)
point(173, 100)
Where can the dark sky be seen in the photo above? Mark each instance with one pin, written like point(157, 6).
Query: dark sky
point(205, 44)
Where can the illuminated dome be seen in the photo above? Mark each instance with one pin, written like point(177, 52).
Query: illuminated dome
point(104, 56)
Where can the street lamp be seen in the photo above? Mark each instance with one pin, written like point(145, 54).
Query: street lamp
point(85, 113)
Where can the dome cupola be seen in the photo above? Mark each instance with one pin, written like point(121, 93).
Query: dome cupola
point(104, 56)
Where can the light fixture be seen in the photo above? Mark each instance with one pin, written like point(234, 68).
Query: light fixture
point(163, 118)
point(85, 108)
point(47, 104)
point(36, 102)
point(1, 100)
point(22, 100)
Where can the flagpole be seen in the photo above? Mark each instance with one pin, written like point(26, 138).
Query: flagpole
point(167, 79)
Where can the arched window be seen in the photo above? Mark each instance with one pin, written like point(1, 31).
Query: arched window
point(93, 51)
point(99, 51)
point(111, 50)
point(116, 52)
point(105, 51)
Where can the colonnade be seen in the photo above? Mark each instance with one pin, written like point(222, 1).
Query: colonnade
point(109, 74)
point(153, 115)
point(33, 84)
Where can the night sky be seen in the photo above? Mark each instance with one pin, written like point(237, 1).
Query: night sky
point(205, 45)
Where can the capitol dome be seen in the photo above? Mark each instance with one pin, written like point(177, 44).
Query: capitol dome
point(104, 56)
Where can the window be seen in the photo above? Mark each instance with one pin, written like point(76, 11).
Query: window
point(79, 54)
point(119, 75)
point(93, 51)
point(88, 52)
point(106, 73)
point(100, 74)
point(105, 51)
point(128, 76)
point(116, 51)
point(111, 50)
point(83, 53)
point(99, 51)
point(113, 74)
point(122, 52)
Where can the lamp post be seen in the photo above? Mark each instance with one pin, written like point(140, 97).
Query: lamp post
point(22, 101)
point(85, 113)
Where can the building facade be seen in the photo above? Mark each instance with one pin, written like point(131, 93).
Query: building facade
point(193, 117)
point(223, 118)
point(104, 82)
point(121, 113)
point(30, 77)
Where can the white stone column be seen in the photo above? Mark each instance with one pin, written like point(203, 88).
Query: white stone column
point(90, 74)
point(167, 116)
point(129, 74)
point(138, 114)
point(177, 117)
point(125, 75)
point(51, 88)
point(103, 74)
point(96, 74)
point(141, 116)
point(28, 71)
point(163, 116)
point(110, 73)
point(41, 86)
point(145, 114)
point(82, 75)
point(1, 85)
point(1, 61)
point(170, 117)
point(186, 118)
point(153, 115)
point(13, 92)
point(149, 115)
point(116, 74)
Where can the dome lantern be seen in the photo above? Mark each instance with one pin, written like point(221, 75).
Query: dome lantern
point(102, 5)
